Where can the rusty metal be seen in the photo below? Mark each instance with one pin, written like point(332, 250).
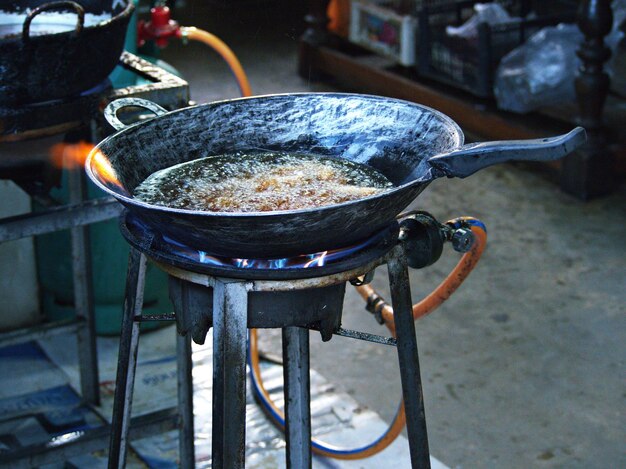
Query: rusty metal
point(165, 88)
point(407, 356)
point(230, 309)
point(351, 334)
point(186, 452)
point(169, 317)
point(297, 391)
point(127, 360)
point(193, 308)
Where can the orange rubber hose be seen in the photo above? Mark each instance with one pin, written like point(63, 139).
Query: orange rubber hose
point(431, 302)
point(223, 50)
point(391, 434)
point(443, 291)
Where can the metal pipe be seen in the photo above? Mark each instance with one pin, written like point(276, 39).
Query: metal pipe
point(366, 336)
point(230, 313)
point(127, 359)
point(408, 359)
point(58, 218)
point(185, 401)
point(83, 295)
point(297, 392)
point(40, 331)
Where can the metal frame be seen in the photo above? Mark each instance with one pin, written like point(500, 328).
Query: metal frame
point(170, 91)
point(297, 390)
point(412, 394)
point(21, 226)
point(230, 301)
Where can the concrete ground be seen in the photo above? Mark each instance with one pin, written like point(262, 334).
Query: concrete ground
point(524, 365)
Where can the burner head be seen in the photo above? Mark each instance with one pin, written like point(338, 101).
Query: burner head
point(164, 249)
point(35, 120)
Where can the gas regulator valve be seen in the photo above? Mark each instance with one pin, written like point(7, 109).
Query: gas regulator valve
point(423, 237)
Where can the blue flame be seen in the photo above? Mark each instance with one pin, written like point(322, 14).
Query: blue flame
point(303, 261)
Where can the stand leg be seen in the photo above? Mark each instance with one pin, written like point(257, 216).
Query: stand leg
point(185, 401)
point(127, 360)
point(83, 296)
point(409, 361)
point(297, 397)
point(230, 313)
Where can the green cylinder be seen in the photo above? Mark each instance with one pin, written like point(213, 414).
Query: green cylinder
point(109, 256)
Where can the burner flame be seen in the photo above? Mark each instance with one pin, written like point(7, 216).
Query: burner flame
point(104, 171)
point(73, 155)
point(303, 261)
point(70, 155)
point(318, 260)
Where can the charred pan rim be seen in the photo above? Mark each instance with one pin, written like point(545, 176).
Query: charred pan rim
point(132, 201)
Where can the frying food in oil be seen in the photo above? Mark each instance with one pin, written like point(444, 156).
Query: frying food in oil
point(260, 182)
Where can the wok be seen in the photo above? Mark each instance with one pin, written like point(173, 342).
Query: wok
point(410, 144)
point(53, 50)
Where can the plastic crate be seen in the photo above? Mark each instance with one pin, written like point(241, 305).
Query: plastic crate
point(377, 26)
point(470, 64)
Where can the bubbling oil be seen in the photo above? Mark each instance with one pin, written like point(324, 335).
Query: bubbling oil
point(260, 182)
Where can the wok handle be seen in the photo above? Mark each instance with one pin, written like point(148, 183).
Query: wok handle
point(110, 112)
point(67, 4)
point(470, 158)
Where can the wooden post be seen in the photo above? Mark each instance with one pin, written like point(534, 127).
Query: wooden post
point(590, 172)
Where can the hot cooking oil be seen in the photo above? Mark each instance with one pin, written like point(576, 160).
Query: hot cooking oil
point(260, 182)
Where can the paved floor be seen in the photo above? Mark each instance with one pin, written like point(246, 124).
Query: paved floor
point(524, 366)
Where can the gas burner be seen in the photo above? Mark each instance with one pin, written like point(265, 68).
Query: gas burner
point(33, 120)
point(103, 87)
point(303, 261)
point(170, 251)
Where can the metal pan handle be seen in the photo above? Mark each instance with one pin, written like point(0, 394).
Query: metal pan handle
point(470, 158)
point(110, 112)
point(64, 4)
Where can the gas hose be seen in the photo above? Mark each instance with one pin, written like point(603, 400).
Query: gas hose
point(211, 40)
point(426, 306)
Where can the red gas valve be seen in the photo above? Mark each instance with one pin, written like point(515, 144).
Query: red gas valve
point(160, 28)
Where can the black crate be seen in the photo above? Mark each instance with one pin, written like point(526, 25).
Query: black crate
point(470, 64)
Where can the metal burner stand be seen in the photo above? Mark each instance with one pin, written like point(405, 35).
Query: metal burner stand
point(231, 305)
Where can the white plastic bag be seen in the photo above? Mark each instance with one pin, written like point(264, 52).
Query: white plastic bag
point(540, 72)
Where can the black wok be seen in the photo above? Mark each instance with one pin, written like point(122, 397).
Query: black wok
point(52, 50)
point(410, 144)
